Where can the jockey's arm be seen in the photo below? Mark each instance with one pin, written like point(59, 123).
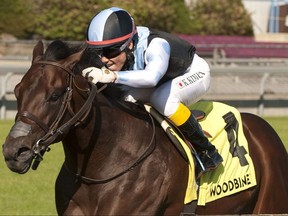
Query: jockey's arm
point(156, 59)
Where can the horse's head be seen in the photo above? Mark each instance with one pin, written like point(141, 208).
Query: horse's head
point(45, 103)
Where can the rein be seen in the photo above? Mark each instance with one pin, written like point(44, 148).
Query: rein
point(53, 132)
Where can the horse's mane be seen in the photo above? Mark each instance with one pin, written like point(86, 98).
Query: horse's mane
point(113, 92)
point(89, 58)
point(59, 49)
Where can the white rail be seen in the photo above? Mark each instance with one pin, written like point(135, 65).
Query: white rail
point(244, 82)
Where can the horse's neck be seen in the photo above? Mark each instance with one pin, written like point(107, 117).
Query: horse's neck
point(110, 137)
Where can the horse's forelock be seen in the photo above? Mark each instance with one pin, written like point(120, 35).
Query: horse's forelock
point(58, 50)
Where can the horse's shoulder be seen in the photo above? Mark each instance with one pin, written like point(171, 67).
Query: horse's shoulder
point(114, 94)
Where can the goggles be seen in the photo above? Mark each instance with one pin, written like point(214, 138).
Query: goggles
point(112, 52)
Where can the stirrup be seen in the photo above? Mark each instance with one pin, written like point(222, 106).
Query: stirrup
point(208, 162)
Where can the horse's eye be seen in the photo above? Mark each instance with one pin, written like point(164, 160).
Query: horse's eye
point(54, 97)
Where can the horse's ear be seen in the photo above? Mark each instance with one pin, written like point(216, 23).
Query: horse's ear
point(73, 59)
point(38, 50)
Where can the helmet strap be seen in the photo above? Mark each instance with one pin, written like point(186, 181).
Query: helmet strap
point(129, 59)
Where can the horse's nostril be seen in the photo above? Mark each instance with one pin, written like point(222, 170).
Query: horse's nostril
point(23, 152)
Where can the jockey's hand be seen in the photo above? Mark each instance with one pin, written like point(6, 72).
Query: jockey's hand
point(102, 75)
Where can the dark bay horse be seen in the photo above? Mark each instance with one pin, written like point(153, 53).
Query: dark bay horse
point(117, 161)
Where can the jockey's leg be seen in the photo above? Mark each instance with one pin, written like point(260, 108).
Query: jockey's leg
point(189, 126)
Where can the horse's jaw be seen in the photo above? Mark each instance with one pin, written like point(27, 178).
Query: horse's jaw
point(18, 166)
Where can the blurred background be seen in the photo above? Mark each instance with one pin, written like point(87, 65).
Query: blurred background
point(244, 41)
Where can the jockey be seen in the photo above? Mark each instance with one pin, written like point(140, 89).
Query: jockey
point(153, 67)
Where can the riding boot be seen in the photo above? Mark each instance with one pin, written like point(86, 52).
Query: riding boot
point(207, 152)
point(191, 129)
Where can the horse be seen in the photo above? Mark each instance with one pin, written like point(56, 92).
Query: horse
point(118, 161)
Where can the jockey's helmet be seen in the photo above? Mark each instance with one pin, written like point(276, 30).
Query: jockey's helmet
point(112, 27)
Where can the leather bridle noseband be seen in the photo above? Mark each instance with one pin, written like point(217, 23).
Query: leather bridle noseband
point(53, 131)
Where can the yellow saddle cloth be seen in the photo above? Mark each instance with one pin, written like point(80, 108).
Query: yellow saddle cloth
point(236, 173)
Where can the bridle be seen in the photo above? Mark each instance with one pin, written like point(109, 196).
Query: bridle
point(53, 131)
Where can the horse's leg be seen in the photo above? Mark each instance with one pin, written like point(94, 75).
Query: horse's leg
point(271, 164)
point(64, 191)
point(174, 200)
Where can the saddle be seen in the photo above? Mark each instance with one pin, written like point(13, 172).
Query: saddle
point(223, 134)
point(139, 110)
point(175, 134)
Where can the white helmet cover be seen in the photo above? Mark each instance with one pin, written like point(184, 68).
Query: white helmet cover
point(109, 27)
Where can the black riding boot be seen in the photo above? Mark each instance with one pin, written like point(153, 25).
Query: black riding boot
point(207, 152)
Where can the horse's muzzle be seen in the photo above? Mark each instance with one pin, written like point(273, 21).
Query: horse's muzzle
point(18, 157)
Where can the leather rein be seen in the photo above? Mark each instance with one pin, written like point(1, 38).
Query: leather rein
point(54, 131)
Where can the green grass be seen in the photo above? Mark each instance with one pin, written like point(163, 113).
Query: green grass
point(280, 125)
point(33, 192)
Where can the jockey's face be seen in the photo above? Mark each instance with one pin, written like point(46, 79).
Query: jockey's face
point(116, 63)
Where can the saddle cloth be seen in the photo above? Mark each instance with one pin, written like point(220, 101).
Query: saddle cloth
point(223, 126)
point(236, 173)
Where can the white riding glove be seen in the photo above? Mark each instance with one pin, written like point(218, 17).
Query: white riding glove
point(102, 75)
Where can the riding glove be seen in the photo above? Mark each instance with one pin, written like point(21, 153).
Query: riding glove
point(102, 75)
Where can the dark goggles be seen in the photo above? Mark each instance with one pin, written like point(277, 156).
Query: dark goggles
point(110, 52)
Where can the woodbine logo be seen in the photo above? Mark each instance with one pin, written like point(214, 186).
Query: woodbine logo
point(230, 185)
